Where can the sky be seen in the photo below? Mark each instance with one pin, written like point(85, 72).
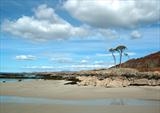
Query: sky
point(73, 35)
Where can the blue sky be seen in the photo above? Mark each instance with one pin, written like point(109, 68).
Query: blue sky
point(72, 35)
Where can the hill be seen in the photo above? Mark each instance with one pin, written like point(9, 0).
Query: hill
point(147, 63)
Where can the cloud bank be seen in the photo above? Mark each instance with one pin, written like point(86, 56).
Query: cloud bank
point(114, 13)
point(44, 24)
point(99, 18)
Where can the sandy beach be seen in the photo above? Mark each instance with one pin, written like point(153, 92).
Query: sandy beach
point(51, 90)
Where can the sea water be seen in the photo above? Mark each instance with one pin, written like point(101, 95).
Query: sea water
point(3, 80)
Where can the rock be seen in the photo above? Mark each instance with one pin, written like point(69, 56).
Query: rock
point(19, 80)
point(86, 81)
point(71, 83)
point(126, 83)
point(108, 82)
point(118, 77)
point(115, 83)
point(140, 82)
point(158, 82)
point(103, 83)
point(152, 82)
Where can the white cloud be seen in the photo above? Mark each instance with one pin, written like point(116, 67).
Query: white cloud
point(115, 13)
point(25, 57)
point(39, 67)
point(131, 53)
point(105, 55)
point(83, 61)
point(60, 57)
point(99, 61)
point(109, 33)
point(62, 60)
point(46, 13)
point(116, 54)
point(77, 67)
point(44, 24)
point(135, 34)
point(103, 63)
point(90, 66)
point(99, 18)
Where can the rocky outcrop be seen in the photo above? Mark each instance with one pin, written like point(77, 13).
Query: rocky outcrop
point(117, 82)
point(118, 77)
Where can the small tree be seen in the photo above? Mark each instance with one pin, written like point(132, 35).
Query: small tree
point(112, 51)
point(120, 49)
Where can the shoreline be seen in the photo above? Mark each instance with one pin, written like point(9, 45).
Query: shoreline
point(110, 78)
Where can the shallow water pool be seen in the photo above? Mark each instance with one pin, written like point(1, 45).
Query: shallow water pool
point(4, 80)
point(89, 102)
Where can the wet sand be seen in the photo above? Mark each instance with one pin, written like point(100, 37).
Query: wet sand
point(57, 90)
point(32, 108)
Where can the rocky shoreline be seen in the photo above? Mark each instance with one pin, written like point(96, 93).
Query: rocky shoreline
point(119, 77)
point(115, 77)
point(117, 82)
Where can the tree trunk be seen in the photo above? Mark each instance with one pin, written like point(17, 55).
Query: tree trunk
point(120, 59)
point(114, 59)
